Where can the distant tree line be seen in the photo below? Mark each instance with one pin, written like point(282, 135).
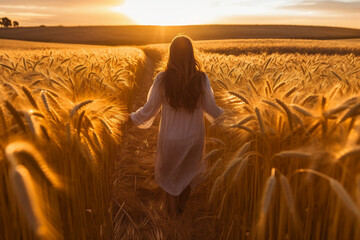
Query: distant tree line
point(6, 22)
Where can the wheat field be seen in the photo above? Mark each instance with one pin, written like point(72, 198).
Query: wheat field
point(61, 112)
point(282, 162)
point(296, 173)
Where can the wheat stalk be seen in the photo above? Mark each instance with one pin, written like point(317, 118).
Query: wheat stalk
point(212, 153)
point(3, 123)
point(268, 192)
point(344, 196)
point(254, 87)
point(244, 121)
point(217, 141)
point(16, 115)
point(310, 99)
point(278, 86)
point(241, 168)
point(240, 97)
point(107, 127)
point(78, 106)
point(20, 151)
point(261, 123)
point(45, 133)
point(79, 122)
point(291, 91)
point(44, 99)
point(288, 113)
point(338, 189)
point(30, 122)
point(293, 154)
point(24, 189)
point(272, 105)
point(285, 186)
point(30, 97)
point(355, 151)
point(302, 110)
point(354, 111)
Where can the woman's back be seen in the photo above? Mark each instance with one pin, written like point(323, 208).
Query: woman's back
point(183, 94)
point(176, 117)
point(181, 135)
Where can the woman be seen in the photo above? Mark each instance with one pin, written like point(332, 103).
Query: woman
point(184, 94)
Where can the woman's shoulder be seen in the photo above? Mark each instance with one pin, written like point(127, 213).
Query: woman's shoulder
point(159, 78)
point(160, 75)
point(202, 74)
point(204, 77)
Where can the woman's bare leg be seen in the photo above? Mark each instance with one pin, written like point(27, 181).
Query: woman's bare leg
point(172, 203)
point(184, 196)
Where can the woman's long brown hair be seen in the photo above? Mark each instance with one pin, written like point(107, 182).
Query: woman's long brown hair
point(183, 77)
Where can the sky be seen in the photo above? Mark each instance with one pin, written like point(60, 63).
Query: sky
point(340, 13)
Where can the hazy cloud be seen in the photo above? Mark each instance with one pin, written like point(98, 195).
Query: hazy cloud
point(22, 7)
point(69, 18)
point(30, 14)
point(56, 7)
point(339, 7)
point(63, 12)
point(290, 19)
point(61, 3)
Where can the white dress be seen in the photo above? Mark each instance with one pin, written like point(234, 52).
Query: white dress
point(180, 144)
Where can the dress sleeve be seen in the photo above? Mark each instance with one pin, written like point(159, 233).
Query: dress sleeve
point(211, 110)
point(144, 116)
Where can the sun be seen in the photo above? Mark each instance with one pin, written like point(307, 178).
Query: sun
point(162, 12)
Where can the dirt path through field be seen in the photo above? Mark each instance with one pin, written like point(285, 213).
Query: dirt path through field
point(139, 211)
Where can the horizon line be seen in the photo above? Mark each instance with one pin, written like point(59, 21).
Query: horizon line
point(182, 25)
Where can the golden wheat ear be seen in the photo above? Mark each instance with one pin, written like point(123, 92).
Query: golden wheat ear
point(24, 189)
point(268, 192)
point(20, 151)
point(338, 188)
point(266, 198)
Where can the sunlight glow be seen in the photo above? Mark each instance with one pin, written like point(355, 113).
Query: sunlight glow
point(163, 12)
point(341, 13)
point(185, 12)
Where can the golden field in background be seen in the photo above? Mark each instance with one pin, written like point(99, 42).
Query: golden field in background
point(282, 163)
point(141, 35)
